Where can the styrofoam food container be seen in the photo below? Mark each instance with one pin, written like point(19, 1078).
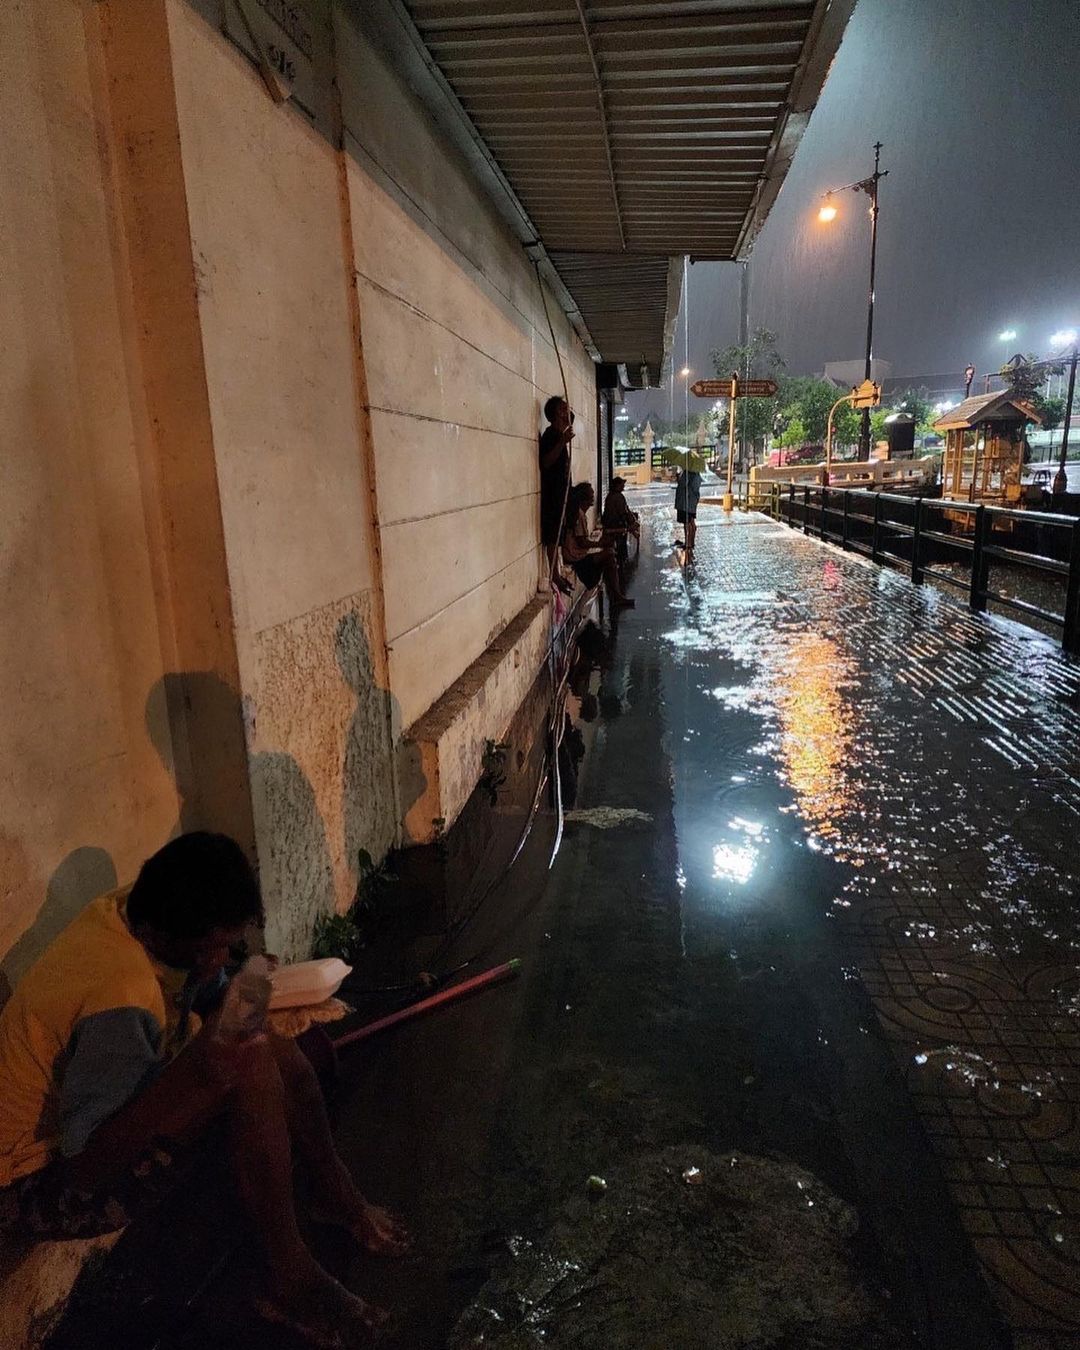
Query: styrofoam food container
point(306, 982)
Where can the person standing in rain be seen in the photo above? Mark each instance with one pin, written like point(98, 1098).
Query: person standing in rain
point(687, 493)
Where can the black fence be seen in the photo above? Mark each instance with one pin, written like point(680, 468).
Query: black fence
point(924, 535)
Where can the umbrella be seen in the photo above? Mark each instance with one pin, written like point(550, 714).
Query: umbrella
point(683, 458)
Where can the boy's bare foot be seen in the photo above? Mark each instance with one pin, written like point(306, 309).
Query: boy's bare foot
point(323, 1312)
point(375, 1229)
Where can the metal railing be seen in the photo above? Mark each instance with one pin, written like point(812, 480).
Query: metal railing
point(915, 535)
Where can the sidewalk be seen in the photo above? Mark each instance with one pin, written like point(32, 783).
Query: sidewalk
point(810, 942)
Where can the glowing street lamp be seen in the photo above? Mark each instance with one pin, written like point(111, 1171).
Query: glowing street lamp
point(1065, 338)
point(827, 213)
point(1007, 335)
point(684, 373)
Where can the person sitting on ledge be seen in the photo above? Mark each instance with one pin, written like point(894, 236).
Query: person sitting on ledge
point(591, 556)
point(618, 520)
point(109, 1075)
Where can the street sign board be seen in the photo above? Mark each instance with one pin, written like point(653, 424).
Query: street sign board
point(711, 388)
point(866, 395)
point(744, 389)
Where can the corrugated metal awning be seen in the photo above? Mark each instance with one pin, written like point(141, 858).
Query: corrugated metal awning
point(630, 133)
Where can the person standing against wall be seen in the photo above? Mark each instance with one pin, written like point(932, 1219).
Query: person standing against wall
point(555, 479)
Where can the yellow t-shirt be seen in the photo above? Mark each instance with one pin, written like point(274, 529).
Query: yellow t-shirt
point(85, 1025)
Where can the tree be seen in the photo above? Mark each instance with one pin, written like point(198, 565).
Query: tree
point(1052, 413)
point(760, 360)
point(1025, 378)
point(917, 403)
point(807, 400)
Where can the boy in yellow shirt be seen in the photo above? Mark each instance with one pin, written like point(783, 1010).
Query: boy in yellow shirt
point(108, 1072)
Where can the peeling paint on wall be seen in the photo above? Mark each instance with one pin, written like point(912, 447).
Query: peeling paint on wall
point(322, 784)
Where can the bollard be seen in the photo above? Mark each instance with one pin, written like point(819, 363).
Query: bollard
point(729, 501)
point(980, 567)
point(916, 542)
point(1070, 637)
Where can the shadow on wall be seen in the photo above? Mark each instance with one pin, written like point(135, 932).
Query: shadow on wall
point(369, 811)
point(83, 875)
point(195, 722)
point(375, 753)
point(293, 856)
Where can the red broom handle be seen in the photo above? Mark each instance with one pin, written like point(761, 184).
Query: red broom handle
point(456, 991)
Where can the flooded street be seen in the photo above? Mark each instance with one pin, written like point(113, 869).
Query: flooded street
point(844, 940)
point(794, 1056)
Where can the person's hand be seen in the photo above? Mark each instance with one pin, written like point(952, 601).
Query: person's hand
point(224, 1059)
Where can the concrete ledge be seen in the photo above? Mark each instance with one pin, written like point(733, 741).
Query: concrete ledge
point(444, 749)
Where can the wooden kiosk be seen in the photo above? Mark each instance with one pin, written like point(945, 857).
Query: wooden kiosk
point(984, 449)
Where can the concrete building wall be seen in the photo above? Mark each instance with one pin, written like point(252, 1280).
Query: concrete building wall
point(267, 223)
point(459, 363)
point(270, 478)
point(84, 793)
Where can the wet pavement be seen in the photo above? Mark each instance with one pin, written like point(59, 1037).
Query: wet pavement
point(931, 757)
point(800, 992)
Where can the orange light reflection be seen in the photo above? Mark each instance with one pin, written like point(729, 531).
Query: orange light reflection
point(816, 737)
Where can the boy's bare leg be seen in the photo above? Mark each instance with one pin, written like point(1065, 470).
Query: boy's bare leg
point(244, 1085)
point(337, 1198)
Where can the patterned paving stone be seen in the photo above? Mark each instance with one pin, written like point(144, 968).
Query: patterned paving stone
point(936, 756)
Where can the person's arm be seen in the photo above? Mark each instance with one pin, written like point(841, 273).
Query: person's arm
point(110, 1056)
point(559, 441)
point(576, 542)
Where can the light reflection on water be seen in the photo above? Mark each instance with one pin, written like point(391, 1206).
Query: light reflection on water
point(816, 743)
point(860, 748)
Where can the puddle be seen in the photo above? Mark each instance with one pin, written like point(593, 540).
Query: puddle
point(686, 1248)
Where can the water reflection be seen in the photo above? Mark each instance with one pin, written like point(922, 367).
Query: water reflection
point(733, 862)
point(816, 740)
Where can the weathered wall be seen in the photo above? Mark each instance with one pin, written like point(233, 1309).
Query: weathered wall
point(459, 363)
point(273, 294)
point(270, 479)
point(84, 794)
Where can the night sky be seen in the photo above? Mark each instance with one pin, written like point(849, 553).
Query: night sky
point(978, 107)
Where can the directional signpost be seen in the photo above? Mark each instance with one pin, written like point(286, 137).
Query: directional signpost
point(733, 389)
point(743, 388)
point(865, 395)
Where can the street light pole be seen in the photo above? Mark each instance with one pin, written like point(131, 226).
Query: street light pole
point(828, 212)
point(1061, 478)
point(870, 186)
